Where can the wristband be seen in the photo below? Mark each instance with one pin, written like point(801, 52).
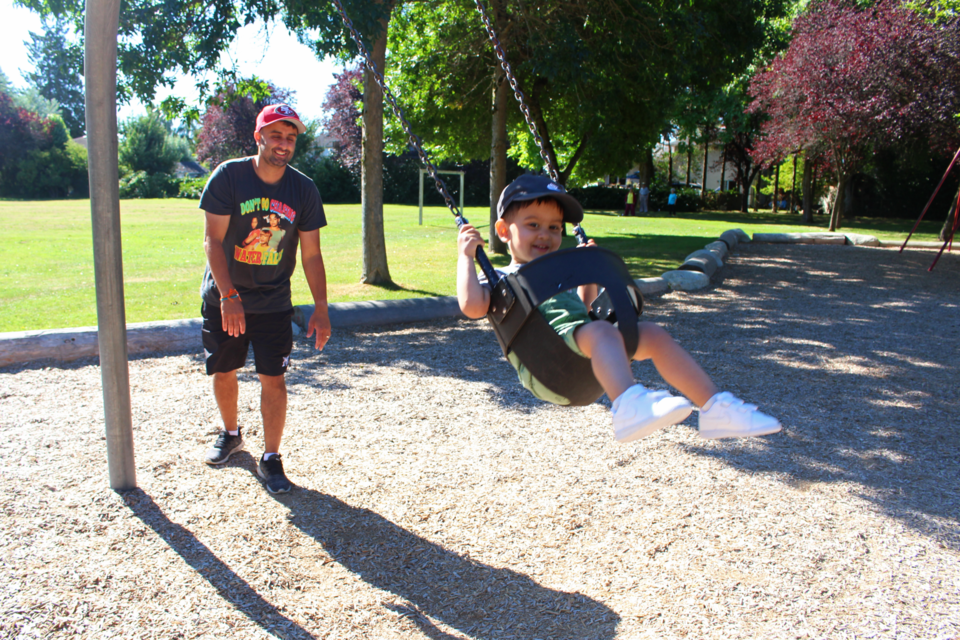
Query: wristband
point(231, 295)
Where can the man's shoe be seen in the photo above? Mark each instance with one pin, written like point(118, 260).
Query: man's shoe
point(225, 446)
point(271, 470)
point(638, 412)
point(730, 417)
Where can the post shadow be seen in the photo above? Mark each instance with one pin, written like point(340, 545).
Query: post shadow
point(474, 598)
point(228, 584)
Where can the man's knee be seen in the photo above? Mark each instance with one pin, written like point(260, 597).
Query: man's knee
point(273, 382)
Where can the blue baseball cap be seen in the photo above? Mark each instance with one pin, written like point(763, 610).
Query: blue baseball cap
point(531, 187)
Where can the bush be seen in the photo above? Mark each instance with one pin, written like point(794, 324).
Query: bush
point(191, 188)
point(687, 199)
point(600, 198)
point(140, 185)
point(722, 200)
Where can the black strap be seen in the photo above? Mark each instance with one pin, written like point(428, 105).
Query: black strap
point(521, 328)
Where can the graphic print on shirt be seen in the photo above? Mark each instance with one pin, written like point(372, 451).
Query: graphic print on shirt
point(261, 246)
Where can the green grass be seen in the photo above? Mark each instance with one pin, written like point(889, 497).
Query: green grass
point(47, 279)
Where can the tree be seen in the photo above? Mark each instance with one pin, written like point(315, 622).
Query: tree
point(343, 101)
point(853, 79)
point(227, 125)
point(147, 145)
point(58, 71)
point(37, 157)
point(5, 86)
point(599, 78)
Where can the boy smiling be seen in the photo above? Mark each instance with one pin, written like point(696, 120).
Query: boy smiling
point(531, 213)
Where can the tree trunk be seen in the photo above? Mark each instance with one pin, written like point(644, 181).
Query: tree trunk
point(498, 154)
point(375, 269)
point(756, 192)
point(776, 190)
point(950, 222)
point(836, 215)
point(706, 156)
point(793, 185)
point(646, 167)
point(689, 160)
point(807, 190)
point(670, 165)
point(723, 170)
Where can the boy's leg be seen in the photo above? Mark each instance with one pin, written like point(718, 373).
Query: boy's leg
point(637, 411)
point(673, 363)
point(602, 343)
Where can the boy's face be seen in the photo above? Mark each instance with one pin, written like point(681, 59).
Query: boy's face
point(532, 231)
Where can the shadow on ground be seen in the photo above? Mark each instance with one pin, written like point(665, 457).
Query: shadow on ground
point(432, 582)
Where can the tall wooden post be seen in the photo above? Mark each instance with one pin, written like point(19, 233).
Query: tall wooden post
point(100, 67)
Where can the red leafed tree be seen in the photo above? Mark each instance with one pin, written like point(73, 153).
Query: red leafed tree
point(853, 79)
point(343, 103)
point(227, 125)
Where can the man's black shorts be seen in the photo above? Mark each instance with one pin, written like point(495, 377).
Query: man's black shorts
point(271, 335)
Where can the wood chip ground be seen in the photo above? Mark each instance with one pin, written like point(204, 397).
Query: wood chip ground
point(436, 499)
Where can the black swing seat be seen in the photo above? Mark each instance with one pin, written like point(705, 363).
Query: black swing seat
point(522, 329)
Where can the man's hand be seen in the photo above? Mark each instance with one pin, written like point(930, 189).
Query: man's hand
point(234, 320)
point(468, 240)
point(319, 322)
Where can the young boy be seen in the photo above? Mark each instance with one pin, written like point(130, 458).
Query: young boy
point(531, 213)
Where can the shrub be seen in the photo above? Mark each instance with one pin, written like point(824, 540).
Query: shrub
point(140, 185)
point(191, 188)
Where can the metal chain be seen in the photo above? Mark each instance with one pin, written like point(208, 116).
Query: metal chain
point(517, 93)
point(414, 140)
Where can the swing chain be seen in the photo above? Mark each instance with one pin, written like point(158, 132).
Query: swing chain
point(517, 93)
point(413, 139)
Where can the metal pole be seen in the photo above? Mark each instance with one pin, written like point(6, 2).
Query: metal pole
point(100, 64)
point(421, 197)
point(461, 191)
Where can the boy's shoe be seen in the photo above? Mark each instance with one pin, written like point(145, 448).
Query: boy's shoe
point(271, 470)
point(638, 412)
point(225, 446)
point(730, 417)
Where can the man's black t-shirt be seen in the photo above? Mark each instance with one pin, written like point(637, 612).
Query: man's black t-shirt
point(261, 241)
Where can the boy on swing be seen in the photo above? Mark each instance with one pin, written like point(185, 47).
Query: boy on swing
point(531, 213)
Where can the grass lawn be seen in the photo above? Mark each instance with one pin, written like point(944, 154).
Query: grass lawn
point(47, 279)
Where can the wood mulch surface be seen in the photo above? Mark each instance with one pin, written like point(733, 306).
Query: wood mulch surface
point(436, 499)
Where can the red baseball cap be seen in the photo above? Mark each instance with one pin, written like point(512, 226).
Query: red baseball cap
point(276, 112)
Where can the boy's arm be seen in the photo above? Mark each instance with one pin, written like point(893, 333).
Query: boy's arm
point(473, 297)
point(588, 292)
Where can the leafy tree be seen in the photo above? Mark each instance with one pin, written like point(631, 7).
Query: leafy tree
point(37, 158)
point(58, 71)
point(31, 100)
point(226, 129)
point(855, 79)
point(343, 102)
point(147, 145)
point(5, 86)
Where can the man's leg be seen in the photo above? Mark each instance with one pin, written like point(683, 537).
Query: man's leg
point(225, 390)
point(273, 409)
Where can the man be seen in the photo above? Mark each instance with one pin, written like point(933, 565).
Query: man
point(644, 198)
point(246, 292)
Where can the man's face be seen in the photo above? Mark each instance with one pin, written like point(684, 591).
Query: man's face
point(276, 143)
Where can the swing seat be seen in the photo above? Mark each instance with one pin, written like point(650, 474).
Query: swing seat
point(520, 328)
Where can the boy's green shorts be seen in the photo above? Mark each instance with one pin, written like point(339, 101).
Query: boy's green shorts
point(564, 312)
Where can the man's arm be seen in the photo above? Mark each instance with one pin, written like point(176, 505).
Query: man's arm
point(316, 275)
point(215, 229)
point(473, 297)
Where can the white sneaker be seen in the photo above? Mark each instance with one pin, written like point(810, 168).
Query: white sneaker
point(638, 412)
point(730, 417)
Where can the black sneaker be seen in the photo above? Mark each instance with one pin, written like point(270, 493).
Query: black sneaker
point(225, 446)
point(271, 470)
